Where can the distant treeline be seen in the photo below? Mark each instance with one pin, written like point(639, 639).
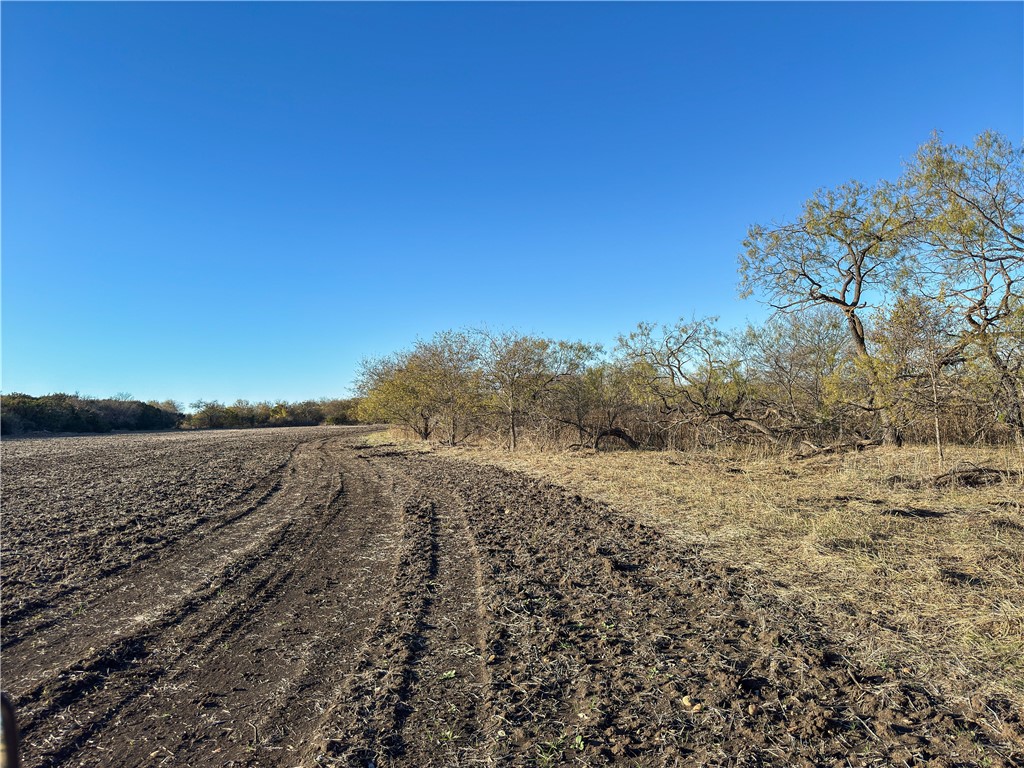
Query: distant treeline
point(308, 413)
point(21, 413)
point(71, 413)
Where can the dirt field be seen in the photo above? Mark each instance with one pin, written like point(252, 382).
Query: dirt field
point(299, 597)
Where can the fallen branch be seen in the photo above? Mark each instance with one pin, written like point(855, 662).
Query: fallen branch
point(856, 445)
point(973, 477)
point(615, 432)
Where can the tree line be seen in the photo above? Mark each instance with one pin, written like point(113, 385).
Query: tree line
point(898, 314)
point(211, 414)
point(73, 413)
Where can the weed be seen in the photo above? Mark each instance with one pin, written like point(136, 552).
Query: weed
point(550, 752)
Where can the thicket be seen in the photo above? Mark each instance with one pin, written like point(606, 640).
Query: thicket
point(72, 413)
point(898, 315)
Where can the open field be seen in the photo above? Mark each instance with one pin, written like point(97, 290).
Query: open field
point(318, 596)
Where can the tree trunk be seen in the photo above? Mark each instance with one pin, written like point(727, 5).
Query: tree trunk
point(1014, 389)
point(935, 410)
point(615, 432)
point(453, 428)
point(891, 434)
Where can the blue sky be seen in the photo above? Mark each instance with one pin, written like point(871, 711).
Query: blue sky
point(241, 200)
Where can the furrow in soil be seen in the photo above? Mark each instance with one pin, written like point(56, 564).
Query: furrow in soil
point(417, 695)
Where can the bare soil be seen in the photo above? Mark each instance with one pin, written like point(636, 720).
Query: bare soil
point(297, 597)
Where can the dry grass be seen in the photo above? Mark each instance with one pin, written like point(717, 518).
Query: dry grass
point(906, 572)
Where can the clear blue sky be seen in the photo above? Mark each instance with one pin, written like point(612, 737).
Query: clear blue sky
point(242, 200)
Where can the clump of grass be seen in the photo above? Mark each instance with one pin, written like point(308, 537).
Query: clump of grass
point(909, 571)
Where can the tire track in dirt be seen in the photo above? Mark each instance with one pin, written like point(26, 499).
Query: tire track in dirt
point(83, 675)
point(418, 693)
point(264, 676)
point(225, 512)
point(609, 644)
point(151, 594)
point(247, 502)
point(266, 616)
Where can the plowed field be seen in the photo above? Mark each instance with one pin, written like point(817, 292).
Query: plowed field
point(295, 597)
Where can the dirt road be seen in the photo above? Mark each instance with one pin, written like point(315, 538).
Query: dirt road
point(298, 598)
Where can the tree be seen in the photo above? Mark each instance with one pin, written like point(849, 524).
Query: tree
point(793, 358)
point(848, 246)
point(970, 200)
point(971, 197)
point(452, 382)
point(396, 389)
point(173, 407)
point(207, 414)
point(913, 349)
point(517, 370)
point(339, 410)
point(689, 369)
point(433, 387)
point(577, 399)
point(615, 401)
